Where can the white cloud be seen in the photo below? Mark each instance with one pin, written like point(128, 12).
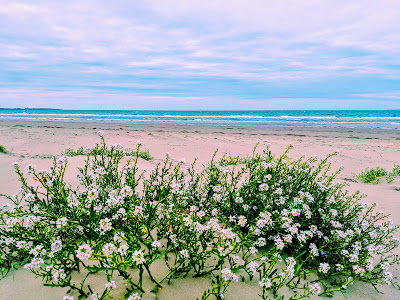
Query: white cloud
point(248, 41)
point(95, 99)
point(389, 95)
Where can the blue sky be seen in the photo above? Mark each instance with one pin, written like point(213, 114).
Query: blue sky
point(200, 54)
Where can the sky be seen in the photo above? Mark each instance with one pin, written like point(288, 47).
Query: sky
point(200, 55)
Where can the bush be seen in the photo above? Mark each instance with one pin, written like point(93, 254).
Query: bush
point(372, 175)
point(396, 170)
point(145, 154)
point(375, 174)
point(3, 149)
point(285, 222)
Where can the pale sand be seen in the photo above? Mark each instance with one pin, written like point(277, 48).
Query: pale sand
point(357, 148)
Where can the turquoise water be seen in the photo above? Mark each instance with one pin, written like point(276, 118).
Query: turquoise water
point(385, 119)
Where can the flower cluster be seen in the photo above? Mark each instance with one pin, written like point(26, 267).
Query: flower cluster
point(272, 218)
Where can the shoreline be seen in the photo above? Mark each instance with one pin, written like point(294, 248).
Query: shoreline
point(352, 133)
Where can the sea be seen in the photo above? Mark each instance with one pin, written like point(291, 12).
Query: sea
point(383, 119)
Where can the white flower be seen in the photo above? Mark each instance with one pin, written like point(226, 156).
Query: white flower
point(242, 221)
point(84, 252)
point(121, 211)
point(59, 274)
point(239, 200)
point(126, 191)
point(290, 261)
point(111, 285)
point(134, 296)
point(228, 275)
point(95, 296)
point(388, 277)
point(252, 267)
point(56, 246)
point(61, 160)
point(72, 200)
point(62, 222)
point(66, 297)
point(253, 250)
point(370, 264)
point(38, 250)
point(138, 210)
point(265, 283)
point(29, 197)
point(138, 257)
point(353, 257)
point(10, 222)
point(324, 268)
point(20, 244)
point(314, 250)
point(261, 242)
point(156, 244)
point(315, 288)
point(217, 197)
point(184, 253)
point(93, 194)
point(105, 225)
point(188, 221)
point(288, 238)
point(358, 270)
point(201, 214)
point(293, 229)
point(232, 218)
point(279, 243)
point(29, 169)
point(118, 237)
point(34, 264)
point(263, 187)
point(339, 267)
point(49, 268)
point(123, 249)
point(109, 249)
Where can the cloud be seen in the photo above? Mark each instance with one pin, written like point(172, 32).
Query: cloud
point(389, 95)
point(282, 44)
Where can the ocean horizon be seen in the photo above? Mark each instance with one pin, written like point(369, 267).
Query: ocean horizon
point(383, 119)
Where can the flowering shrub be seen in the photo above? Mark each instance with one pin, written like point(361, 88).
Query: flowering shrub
point(274, 220)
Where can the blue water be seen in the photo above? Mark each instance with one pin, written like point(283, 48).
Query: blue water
point(385, 119)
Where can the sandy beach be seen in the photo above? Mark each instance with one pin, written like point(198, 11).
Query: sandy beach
point(29, 142)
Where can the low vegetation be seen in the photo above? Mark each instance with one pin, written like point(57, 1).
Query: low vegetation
point(3, 149)
point(284, 223)
point(44, 156)
point(144, 154)
point(374, 175)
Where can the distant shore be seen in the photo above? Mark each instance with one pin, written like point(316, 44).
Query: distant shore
point(342, 119)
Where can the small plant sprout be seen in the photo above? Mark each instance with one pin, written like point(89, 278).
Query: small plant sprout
point(3, 149)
